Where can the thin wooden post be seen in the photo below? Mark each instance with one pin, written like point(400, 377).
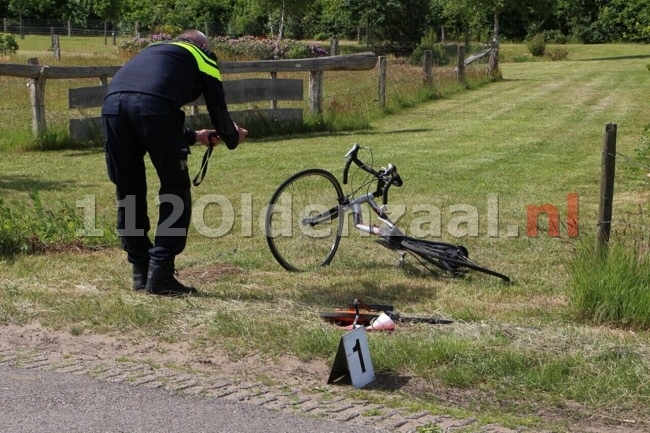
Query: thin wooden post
point(608, 169)
point(461, 64)
point(37, 98)
point(137, 29)
point(105, 32)
point(334, 46)
point(426, 66)
point(316, 91)
point(5, 25)
point(57, 48)
point(52, 37)
point(382, 80)
point(69, 27)
point(493, 62)
point(274, 103)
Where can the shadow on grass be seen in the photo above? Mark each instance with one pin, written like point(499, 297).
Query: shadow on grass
point(23, 182)
point(341, 134)
point(638, 56)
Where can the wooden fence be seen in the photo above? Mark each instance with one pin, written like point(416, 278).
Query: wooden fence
point(237, 91)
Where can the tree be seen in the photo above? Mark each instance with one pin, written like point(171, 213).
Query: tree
point(371, 13)
point(28, 8)
point(281, 9)
point(477, 10)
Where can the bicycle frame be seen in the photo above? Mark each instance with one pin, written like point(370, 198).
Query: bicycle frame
point(452, 259)
point(355, 206)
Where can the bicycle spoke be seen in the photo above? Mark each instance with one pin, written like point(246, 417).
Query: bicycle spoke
point(302, 224)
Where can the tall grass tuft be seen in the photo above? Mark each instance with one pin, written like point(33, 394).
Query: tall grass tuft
point(59, 139)
point(612, 287)
point(32, 228)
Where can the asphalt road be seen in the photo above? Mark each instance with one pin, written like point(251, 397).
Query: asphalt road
point(35, 401)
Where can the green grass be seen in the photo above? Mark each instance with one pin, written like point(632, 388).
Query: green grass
point(515, 350)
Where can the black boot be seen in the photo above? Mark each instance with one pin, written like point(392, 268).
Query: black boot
point(161, 281)
point(140, 276)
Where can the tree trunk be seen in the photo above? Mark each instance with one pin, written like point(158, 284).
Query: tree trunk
point(493, 64)
point(281, 26)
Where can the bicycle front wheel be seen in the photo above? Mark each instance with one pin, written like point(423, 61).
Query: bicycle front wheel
point(302, 226)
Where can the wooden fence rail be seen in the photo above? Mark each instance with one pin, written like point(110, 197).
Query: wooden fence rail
point(236, 90)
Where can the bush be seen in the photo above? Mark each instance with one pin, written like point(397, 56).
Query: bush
point(537, 45)
point(430, 42)
point(252, 48)
point(8, 44)
point(133, 46)
point(555, 37)
point(558, 54)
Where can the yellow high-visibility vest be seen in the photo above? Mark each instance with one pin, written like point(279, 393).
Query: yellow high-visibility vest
point(205, 63)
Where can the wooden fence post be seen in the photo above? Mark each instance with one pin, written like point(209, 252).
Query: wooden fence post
point(4, 22)
point(137, 29)
point(461, 64)
point(334, 46)
point(382, 80)
point(274, 103)
point(52, 37)
point(57, 48)
point(69, 28)
point(608, 168)
point(316, 91)
point(37, 98)
point(426, 66)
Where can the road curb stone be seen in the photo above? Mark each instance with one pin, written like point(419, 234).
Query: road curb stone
point(278, 398)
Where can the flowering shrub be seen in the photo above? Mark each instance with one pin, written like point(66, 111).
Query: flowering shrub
point(244, 48)
point(133, 46)
point(252, 48)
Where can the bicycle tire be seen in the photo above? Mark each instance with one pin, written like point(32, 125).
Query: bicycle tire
point(295, 245)
point(448, 257)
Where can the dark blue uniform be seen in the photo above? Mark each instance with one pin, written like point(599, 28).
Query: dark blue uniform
point(142, 114)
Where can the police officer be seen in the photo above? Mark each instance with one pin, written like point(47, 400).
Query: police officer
point(142, 114)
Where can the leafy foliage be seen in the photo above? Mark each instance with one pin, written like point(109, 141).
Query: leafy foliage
point(32, 228)
point(133, 46)
point(8, 44)
point(251, 48)
point(429, 42)
point(537, 45)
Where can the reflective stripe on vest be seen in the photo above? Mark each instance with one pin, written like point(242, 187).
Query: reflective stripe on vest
point(206, 64)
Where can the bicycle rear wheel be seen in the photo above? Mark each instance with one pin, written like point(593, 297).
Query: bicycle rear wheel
point(302, 225)
point(453, 259)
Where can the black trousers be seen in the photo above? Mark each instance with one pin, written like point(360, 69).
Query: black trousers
point(136, 124)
